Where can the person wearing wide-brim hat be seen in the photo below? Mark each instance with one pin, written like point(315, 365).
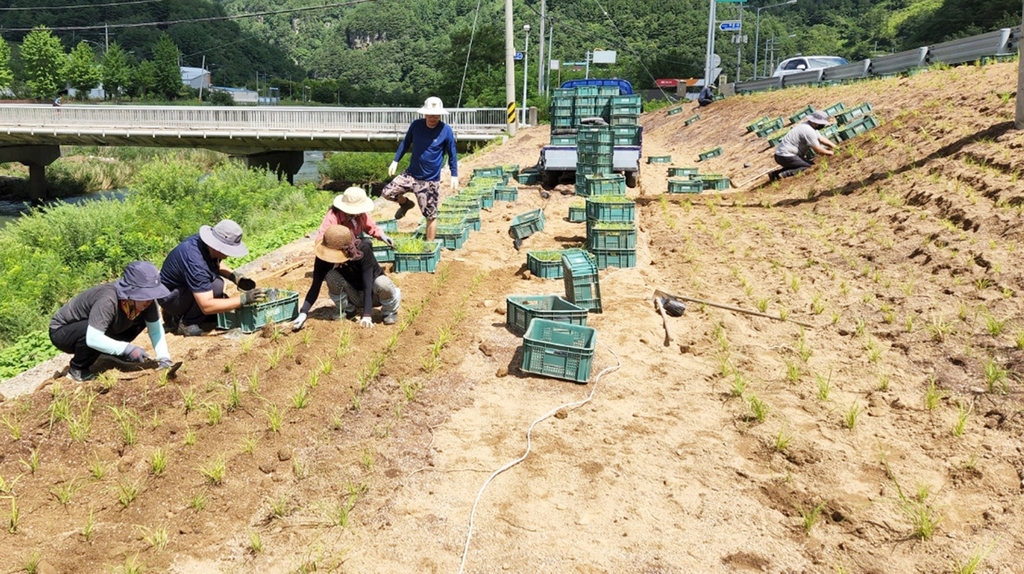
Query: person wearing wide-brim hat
point(428, 140)
point(194, 273)
point(105, 319)
point(793, 152)
point(352, 209)
point(355, 281)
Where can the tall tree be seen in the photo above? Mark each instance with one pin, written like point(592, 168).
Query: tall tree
point(116, 71)
point(83, 73)
point(143, 79)
point(6, 75)
point(44, 60)
point(167, 80)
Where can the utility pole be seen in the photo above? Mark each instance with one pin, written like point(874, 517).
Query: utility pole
point(709, 54)
point(547, 65)
point(541, 62)
point(510, 70)
point(1019, 116)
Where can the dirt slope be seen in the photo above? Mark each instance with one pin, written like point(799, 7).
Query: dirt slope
point(746, 445)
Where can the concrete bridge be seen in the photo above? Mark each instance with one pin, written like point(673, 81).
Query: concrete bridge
point(271, 137)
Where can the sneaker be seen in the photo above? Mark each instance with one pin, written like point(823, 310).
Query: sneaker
point(80, 376)
point(351, 314)
point(390, 319)
point(403, 208)
point(189, 330)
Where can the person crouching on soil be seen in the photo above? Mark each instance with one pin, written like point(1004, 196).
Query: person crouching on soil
point(355, 281)
point(352, 209)
point(793, 151)
point(106, 319)
point(194, 273)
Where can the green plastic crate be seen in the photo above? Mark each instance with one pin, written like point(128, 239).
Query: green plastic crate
point(569, 139)
point(381, 252)
point(851, 114)
point(659, 159)
point(689, 172)
point(831, 132)
point(621, 258)
point(558, 350)
point(775, 139)
point(611, 208)
point(627, 134)
point(801, 114)
point(752, 127)
point(250, 318)
point(486, 196)
point(473, 222)
point(770, 127)
point(495, 171)
point(601, 134)
point(506, 193)
point(418, 262)
point(581, 281)
point(583, 147)
point(857, 127)
point(547, 264)
point(711, 153)
point(691, 120)
point(624, 119)
point(611, 184)
point(675, 111)
point(577, 214)
point(605, 237)
point(526, 177)
point(452, 238)
point(680, 185)
point(835, 108)
point(711, 181)
point(526, 224)
point(387, 225)
point(521, 309)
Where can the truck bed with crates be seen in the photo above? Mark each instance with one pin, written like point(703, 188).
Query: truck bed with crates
point(583, 105)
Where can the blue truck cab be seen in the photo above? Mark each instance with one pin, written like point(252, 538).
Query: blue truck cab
point(558, 161)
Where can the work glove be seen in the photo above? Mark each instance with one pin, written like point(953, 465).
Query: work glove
point(386, 239)
point(392, 168)
point(164, 363)
point(253, 296)
point(299, 322)
point(243, 282)
point(455, 182)
point(135, 354)
point(366, 322)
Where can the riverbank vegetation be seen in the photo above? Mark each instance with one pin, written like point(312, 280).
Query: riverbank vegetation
point(52, 254)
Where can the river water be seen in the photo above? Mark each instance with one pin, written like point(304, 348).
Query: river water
point(12, 210)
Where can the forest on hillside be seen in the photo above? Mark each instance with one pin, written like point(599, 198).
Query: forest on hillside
point(394, 52)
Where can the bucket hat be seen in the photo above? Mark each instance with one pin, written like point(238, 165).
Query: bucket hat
point(354, 201)
point(433, 107)
point(140, 282)
point(332, 247)
point(819, 118)
point(225, 237)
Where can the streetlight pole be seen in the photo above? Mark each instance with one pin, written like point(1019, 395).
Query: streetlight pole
point(547, 65)
point(540, 57)
point(526, 67)
point(757, 29)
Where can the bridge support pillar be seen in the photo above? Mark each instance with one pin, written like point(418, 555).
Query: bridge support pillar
point(36, 157)
point(286, 163)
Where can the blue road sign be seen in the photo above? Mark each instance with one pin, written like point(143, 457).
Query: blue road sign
point(730, 26)
point(519, 56)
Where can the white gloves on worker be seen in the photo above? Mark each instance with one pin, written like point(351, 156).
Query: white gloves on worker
point(366, 322)
point(392, 168)
point(299, 322)
point(455, 182)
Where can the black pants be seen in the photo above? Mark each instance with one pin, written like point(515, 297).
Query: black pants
point(181, 305)
point(71, 339)
point(791, 165)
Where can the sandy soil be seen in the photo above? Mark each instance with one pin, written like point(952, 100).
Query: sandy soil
point(886, 438)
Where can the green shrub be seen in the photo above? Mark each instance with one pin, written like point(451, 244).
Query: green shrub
point(360, 168)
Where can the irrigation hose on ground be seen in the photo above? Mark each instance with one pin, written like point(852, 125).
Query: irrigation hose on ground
point(529, 431)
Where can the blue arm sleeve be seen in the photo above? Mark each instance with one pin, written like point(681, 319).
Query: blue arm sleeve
point(453, 163)
point(156, 336)
point(405, 145)
point(95, 339)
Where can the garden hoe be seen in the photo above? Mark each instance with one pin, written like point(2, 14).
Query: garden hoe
point(672, 307)
point(677, 299)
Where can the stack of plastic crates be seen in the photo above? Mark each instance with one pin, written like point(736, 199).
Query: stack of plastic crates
point(625, 110)
point(594, 154)
point(611, 230)
point(582, 283)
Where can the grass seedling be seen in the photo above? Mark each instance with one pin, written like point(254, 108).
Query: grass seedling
point(883, 382)
point(758, 408)
point(7, 486)
point(873, 351)
point(155, 537)
point(89, 527)
point(197, 501)
point(299, 469)
point(410, 389)
point(31, 564)
point(128, 491)
point(255, 544)
point(782, 440)
point(995, 376)
point(932, 395)
point(994, 326)
point(14, 517)
point(307, 337)
point(792, 372)
point(126, 420)
point(189, 398)
point(13, 424)
point(1018, 340)
point(851, 414)
point(325, 366)
point(273, 358)
point(336, 422)
point(908, 323)
point(963, 412)
point(190, 436)
point(274, 417)
point(254, 381)
point(132, 566)
point(279, 507)
point(824, 385)
point(761, 304)
point(357, 401)
point(215, 471)
point(97, 469)
point(939, 329)
point(158, 461)
point(973, 562)
point(817, 305)
point(32, 464)
point(249, 443)
point(247, 343)
point(229, 366)
point(64, 492)
point(810, 516)
point(739, 384)
point(340, 514)
point(314, 379)
point(345, 340)
point(234, 395)
point(214, 414)
point(301, 397)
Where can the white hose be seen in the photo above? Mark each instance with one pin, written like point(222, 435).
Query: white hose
point(529, 431)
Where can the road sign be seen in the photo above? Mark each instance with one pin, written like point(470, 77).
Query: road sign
point(730, 26)
point(519, 56)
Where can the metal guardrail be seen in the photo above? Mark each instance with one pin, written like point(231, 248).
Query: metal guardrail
point(772, 83)
point(852, 71)
point(899, 62)
point(802, 78)
point(973, 48)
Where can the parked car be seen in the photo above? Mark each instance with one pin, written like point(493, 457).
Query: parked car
point(804, 63)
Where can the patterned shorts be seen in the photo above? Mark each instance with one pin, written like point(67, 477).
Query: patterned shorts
point(426, 192)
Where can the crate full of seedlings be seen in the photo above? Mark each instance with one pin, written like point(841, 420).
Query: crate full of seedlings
point(777, 137)
point(691, 120)
point(754, 126)
point(506, 193)
point(857, 127)
point(494, 171)
point(685, 172)
point(610, 235)
point(704, 156)
point(581, 281)
point(382, 252)
point(610, 184)
point(559, 350)
point(675, 111)
point(281, 305)
point(685, 185)
point(847, 116)
point(611, 208)
point(714, 182)
point(770, 127)
point(835, 108)
point(521, 309)
point(547, 264)
point(416, 255)
point(387, 224)
point(485, 195)
point(452, 236)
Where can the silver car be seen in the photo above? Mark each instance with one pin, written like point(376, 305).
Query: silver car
point(803, 63)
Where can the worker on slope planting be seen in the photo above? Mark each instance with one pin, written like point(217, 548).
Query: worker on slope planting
point(352, 209)
point(106, 319)
point(706, 96)
point(793, 151)
point(355, 281)
point(194, 273)
point(429, 140)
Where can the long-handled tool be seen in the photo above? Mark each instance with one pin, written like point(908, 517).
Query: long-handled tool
point(664, 320)
point(662, 294)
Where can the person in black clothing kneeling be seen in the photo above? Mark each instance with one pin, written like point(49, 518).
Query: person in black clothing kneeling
point(353, 277)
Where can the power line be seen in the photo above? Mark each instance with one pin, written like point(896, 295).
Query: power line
point(75, 6)
point(191, 20)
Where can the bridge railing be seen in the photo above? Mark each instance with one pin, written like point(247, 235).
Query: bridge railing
point(279, 119)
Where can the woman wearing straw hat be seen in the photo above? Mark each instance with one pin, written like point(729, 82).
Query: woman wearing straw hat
point(352, 209)
point(106, 318)
point(355, 281)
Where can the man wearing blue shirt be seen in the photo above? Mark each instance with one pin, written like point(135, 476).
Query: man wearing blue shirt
point(428, 140)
